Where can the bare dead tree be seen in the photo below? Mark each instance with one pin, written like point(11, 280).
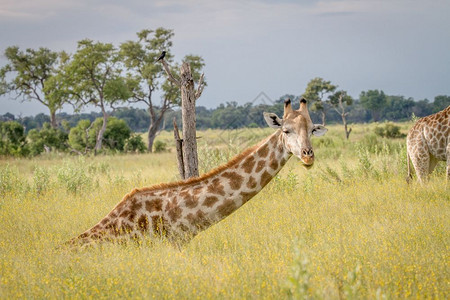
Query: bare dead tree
point(340, 109)
point(189, 95)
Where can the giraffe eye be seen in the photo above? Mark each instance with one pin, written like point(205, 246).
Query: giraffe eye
point(286, 130)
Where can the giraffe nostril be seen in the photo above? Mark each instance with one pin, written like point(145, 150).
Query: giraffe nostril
point(307, 152)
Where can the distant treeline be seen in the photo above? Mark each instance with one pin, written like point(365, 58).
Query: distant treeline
point(231, 115)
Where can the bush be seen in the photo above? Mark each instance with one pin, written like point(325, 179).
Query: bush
point(47, 138)
point(41, 179)
point(73, 176)
point(135, 144)
point(370, 142)
point(12, 139)
point(9, 180)
point(116, 134)
point(79, 138)
point(160, 146)
point(389, 131)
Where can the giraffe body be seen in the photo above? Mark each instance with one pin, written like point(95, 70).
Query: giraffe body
point(428, 142)
point(182, 209)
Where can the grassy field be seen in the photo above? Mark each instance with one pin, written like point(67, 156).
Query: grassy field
point(348, 228)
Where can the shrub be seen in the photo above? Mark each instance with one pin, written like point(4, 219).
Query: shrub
point(389, 131)
point(135, 144)
point(12, 139)
point(369, 142)
point(41, 179)
point(366, 167)
point(47, 138)
point(116, 134)
point(9, 180)
point(160, 146)
point(73, 176)
point(83, 136)
point(79, 136)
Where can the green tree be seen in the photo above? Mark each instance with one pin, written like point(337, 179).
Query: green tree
point(147, 75)
point(317, 91)
point(82, 138)
point(12, 139)
point(373, 100)
point(48, 139)
point(339, 101)
point(422, 108)
point(440, 102)
point(31, 71)
point(94, 77)
point(135, 144)
point(230, 116)
point(397, 108)
point(79, 137)
point(116, 134)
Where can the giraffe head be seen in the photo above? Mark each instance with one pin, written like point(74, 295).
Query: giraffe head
point(297, 129)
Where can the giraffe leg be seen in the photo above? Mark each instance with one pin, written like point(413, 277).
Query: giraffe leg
point(408, 164)
point(421, 164)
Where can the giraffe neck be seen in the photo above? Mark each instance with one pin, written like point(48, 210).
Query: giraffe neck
point(195, 204)
point(234, 186)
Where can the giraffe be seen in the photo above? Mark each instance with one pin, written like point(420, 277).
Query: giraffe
point(182, 209)
point(427, 143)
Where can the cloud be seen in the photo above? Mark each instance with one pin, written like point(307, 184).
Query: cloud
point(29, 10)
point(261, 45)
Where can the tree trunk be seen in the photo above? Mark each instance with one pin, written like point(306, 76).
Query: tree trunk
point(343, 115)
point(98, 143)
point(347, 131)
point(188, 98)
point(323, 117)
point(152, 132)
point(179, 147)
point(53, 119)
point(154, 126)
point(151, 140)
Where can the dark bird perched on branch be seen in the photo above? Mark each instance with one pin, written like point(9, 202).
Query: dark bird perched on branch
point(161, 56)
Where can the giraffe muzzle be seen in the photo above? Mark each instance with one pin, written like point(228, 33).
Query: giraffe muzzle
point(307, 157)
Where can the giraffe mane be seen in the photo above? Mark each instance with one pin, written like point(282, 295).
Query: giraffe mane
point(194, 180)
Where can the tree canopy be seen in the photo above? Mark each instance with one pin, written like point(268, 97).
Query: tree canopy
point(373, 100)
point(146, 74)
point(31, 71)
point(94, 77)
point(317, 91)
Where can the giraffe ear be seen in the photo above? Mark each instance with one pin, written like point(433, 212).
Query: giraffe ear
point(319, 130)
point(272, 120)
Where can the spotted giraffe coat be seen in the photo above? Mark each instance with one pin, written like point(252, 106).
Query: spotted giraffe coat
point(428, 142)
point(182, 209)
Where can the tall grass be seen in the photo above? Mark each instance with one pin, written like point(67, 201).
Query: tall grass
point(348, 228)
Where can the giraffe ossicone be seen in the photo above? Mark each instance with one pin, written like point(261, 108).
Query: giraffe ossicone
point(427, 143)
point(181, 209)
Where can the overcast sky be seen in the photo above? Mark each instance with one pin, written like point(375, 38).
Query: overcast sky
point(399, 46)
